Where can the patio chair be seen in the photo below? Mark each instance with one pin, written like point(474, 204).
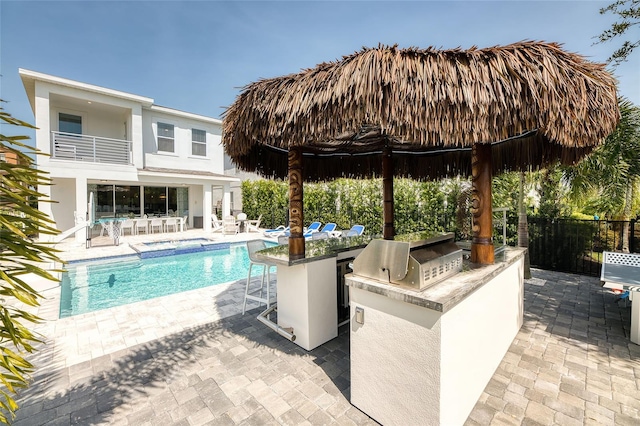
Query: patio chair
point(355, 231)
point(216, 224)
point(127, 224)
point(254, 225)
point(276, 232)
point(230, 225)
point(156, 223)
point(142, 225)
point(105, 228)
point(171, 222)
point(185, 222)
point(329, 228)
point(252, 247)
point(311, 229)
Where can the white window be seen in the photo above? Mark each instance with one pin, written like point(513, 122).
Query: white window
point(198, 142)
point(166, 141)
point(3, 157)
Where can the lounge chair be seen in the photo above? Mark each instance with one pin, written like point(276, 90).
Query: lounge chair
point(355, 231)
point(253, 225)
point(216, 224)
point(329, 228)
point(320, 235)
point(230, 225)
point(276, 232)
point(314, 227)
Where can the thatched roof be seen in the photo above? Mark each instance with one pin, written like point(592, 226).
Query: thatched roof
point(429, 106)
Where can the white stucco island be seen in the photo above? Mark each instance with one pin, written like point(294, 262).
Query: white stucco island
point(426, 356)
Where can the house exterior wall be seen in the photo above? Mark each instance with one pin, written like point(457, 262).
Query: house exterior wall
point(115, 118)
point(182, 156)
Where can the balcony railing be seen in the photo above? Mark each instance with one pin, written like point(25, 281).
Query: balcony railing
point(92, 149)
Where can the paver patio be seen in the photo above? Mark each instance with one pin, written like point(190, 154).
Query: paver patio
point(571, 363)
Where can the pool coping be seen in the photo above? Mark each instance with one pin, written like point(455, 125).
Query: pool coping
point(80, 338)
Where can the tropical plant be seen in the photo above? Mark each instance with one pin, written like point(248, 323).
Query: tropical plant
point(607, 182)
point(553, 192)
point(20, 256)
point(628, 12)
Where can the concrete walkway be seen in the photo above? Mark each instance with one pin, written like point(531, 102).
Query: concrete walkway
point(193, 359)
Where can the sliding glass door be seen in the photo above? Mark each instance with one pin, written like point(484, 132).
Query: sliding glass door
point(123, 200)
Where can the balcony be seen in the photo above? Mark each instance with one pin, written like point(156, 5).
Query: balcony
point(91, 149)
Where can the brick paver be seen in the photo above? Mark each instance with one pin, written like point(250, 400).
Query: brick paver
point(571, 363)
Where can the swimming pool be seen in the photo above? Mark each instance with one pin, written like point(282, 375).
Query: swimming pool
point(95, 285)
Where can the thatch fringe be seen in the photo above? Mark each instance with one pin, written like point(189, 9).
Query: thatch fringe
point(425, 100)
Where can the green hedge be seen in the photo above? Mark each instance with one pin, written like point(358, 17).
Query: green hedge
point(417, 205)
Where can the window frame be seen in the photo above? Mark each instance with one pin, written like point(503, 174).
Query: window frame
point(69, 114)
point(160, 138)
point(195, 143)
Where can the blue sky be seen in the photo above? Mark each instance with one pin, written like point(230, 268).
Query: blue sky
point(196, 55)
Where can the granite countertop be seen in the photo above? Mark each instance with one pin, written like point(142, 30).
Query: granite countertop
point(330, 247)
point(314, 250)
point(444, 295)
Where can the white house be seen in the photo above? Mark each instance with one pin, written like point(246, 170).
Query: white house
point(134, 156)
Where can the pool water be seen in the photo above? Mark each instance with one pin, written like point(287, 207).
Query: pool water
point(91, 286)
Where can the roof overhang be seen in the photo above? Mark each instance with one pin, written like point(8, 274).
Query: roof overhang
point(29, 79)
point(185, 176)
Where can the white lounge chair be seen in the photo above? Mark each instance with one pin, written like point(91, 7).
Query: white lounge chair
point(254, 225)
point(276, 232)
point(216, 224)
point(230, 225)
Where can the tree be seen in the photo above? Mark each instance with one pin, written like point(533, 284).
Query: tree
point(20, 255)
point(629, 13)
point(607, 181)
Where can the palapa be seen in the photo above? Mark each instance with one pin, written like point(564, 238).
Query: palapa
point(526, 105)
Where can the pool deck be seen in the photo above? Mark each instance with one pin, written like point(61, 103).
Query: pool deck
point(194, 359)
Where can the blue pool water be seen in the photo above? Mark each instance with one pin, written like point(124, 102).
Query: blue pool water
point(91, 286)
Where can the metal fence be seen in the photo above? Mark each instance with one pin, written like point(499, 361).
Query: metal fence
point(576, 246)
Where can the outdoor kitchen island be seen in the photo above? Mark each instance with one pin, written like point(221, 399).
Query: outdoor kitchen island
point(311, 290)
point(426, 355)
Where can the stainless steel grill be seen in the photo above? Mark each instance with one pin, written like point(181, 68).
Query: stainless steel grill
point(416, 264)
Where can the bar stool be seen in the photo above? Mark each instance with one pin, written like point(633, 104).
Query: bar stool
point(252, 248)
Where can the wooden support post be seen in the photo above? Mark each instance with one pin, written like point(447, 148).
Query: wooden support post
point(296, 213)
point(482, 243)
point(388, 231)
